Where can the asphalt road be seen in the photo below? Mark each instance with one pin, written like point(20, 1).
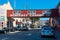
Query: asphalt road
point(28, 35)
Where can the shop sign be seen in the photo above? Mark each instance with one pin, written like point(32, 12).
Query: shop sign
point(24, 13)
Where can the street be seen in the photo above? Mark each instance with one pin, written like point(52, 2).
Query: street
point(33, 34)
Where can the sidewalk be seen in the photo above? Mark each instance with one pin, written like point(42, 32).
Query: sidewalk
point(13, 32)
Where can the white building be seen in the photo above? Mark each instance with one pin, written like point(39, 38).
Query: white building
point(3, 11)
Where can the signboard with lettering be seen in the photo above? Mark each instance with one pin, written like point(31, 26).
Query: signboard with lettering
point(24, 13)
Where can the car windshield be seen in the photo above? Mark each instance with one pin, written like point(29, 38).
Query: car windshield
point(44, 26)
point(47, 28)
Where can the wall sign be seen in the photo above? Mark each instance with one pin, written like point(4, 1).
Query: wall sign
point(24, 13)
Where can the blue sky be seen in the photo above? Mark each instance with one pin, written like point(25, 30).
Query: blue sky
point(32, 4)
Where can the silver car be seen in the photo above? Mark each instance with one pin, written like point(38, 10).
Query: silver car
point(47, 31)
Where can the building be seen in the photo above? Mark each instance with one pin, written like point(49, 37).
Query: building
point(3, 16)
point(55, 16)
point(20, 15)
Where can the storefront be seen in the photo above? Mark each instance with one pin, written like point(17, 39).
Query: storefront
point(18, 16)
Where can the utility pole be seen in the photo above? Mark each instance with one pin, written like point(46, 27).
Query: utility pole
point(25, 6)
point(14, 4)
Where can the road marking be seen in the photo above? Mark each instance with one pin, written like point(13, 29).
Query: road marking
point(13, 32)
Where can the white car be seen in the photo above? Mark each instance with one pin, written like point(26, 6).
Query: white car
point(47, 31)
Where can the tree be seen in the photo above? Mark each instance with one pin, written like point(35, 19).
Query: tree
point(35, 18)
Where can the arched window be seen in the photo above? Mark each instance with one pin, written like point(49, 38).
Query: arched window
point(32, 12)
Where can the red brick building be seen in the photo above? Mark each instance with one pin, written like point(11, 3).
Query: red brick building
point(55, 16)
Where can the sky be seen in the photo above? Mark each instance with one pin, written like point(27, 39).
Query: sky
point(32, 4)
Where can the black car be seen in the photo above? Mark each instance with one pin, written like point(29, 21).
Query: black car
point(3, 30)
point(23, 28)
point(9, 29)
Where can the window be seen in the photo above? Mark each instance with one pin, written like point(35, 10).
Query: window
point(16, 12)
point(31, 11)
point(2, 11)
point(59, 20)
point(59, 9)
point(47, 12)
point(2, 18)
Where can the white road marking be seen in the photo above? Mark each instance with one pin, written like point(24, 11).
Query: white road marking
point(13, 32)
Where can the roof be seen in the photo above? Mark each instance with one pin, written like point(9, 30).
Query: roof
point(58, 5)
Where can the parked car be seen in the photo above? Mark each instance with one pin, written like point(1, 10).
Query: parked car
point(3, 30)
point(16, 28)
point(23, 28)
point(19, 28)
point(9, 29)
point(47, 31)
